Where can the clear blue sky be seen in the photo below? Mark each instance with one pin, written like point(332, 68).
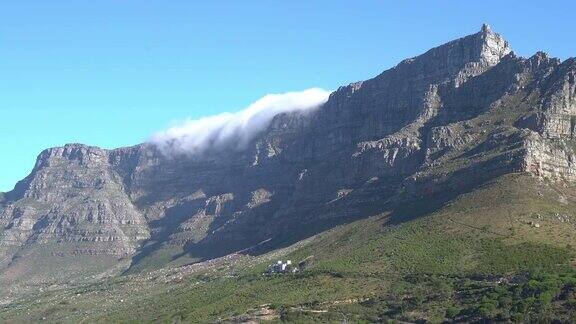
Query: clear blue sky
point(112, 72)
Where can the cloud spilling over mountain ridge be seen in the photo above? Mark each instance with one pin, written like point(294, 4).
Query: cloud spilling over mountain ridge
point(195, 136)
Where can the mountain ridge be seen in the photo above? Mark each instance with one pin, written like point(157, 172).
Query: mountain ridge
point(434, 126)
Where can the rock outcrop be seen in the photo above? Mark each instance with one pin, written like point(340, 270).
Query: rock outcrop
point(429, 128)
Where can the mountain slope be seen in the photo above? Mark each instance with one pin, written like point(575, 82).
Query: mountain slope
point(430, 129)
point(478, 257)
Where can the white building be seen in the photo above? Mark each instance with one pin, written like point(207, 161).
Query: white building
point(282, 267)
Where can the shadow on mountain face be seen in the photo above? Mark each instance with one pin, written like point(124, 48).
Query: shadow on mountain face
point(175, 216)
point(399, 209)
point(397, 199)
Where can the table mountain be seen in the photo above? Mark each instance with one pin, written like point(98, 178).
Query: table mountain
point(433, 127)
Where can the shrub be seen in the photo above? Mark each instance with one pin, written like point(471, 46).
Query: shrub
point(452, 312)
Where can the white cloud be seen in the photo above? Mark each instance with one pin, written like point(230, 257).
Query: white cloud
point(194, 136)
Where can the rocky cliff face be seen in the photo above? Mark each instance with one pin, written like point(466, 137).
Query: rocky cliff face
point(432, 127)
point(72, 204)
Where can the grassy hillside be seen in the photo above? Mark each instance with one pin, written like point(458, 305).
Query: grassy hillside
point(503, 252)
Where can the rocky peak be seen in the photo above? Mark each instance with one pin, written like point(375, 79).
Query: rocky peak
point(472, 55)
point(486, 28)
point(412, 90)
point(78, 152)
point(541, 59)
point(492, 46)
point(455, 61)
point(481, 50)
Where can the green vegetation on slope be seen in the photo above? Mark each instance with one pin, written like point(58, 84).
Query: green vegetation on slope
point(501, 252)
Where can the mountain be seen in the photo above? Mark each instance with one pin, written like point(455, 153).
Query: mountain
point(405, 143)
